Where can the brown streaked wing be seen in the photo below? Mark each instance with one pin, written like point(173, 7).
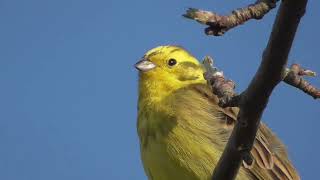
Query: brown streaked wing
point(269, 154)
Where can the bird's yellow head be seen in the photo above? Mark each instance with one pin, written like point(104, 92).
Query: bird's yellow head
point(167, 68)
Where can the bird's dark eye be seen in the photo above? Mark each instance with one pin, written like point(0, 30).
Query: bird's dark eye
point(172, 62)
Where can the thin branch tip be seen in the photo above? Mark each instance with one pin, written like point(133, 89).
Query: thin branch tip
point(220, 24)
point(294, 77)
point(222, 87)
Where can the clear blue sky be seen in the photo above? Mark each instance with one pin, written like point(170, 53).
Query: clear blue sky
point(68, 90)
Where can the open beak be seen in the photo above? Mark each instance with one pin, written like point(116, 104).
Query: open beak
point(145, 65)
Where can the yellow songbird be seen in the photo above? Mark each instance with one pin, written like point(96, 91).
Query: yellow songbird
point(183, 131)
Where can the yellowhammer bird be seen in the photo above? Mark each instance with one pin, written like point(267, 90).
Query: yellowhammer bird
point(183, 131)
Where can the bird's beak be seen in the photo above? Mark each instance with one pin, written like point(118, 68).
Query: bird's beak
point(144, 65)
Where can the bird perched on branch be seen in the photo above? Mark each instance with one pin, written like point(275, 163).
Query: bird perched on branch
point(183, 131)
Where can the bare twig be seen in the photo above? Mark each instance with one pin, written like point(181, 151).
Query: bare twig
point(255, 98)
point(293, 76)
point(221, 87)
point(224, 88)
point(219, 24)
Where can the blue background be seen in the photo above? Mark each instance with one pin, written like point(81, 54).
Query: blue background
point(68, 89)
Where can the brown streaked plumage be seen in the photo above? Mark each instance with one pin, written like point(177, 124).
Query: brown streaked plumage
point(269, 154)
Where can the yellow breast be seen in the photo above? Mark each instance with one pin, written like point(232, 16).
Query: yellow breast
point(169, 150)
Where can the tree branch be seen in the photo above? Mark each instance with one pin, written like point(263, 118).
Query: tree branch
point(293, 76)
point(219, 24)
point(254, 99)
point(224, 88)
